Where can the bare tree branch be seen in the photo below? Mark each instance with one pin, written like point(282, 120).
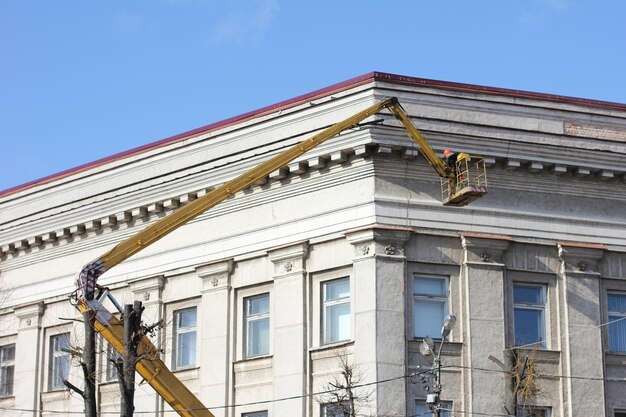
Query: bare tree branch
point(74, 388)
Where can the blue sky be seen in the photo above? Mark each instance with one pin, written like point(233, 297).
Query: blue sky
point(81, 80)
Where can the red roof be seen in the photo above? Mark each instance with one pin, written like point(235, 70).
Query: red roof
point(353, 82)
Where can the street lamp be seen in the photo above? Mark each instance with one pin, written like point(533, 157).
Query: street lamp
point(427, 349)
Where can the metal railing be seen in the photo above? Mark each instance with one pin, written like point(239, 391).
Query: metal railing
point(470, 172)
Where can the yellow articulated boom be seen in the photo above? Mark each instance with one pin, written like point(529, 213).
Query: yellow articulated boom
point(460, 191)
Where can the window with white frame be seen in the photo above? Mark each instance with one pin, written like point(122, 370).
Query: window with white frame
point(7, 370)
point(59, 361)
point(336, 310)
point(616, 306)
point(255, 414)
point(185, 323)
point(112, 356)
point(529, 315)
point(430, 305)
point(423, 410)
point(257, 322)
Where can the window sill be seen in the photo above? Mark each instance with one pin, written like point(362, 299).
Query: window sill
point(449, 348)
point(254, 363)
point(108, 386)
point(185, 374)
point(330, 349)
point(615, 358)
point(55, 395)
point(543, 355)
point(108, 381)
point(333, 345)
point(255, 358)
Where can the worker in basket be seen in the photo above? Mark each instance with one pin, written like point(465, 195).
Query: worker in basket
point(450, 158)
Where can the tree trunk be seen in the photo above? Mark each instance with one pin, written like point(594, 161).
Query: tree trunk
point(89, 359)
point(132, 335)
point(510, 396)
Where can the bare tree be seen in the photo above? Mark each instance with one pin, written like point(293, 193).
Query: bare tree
point(87, 360)
point(344, 395)
point(522, 379)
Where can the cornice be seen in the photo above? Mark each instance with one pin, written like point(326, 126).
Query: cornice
point(363, 147)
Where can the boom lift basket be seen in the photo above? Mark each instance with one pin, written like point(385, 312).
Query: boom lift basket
point(468, 183)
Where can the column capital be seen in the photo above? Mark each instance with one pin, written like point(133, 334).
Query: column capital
point(30, 315)
point(289, 260)
point(487, 249)
point(379, 240)
point(580, 258)
point(215, 275)
point(147, 289)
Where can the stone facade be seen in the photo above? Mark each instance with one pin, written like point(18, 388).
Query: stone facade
point(363, 209)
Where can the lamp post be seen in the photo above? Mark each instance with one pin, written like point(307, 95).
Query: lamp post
point(427, 348)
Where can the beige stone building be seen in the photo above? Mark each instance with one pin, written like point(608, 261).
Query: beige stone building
point(344, 253)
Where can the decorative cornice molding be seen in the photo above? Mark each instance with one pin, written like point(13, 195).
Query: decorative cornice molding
point(289, 260)
point(379, 240)
point(30, 315)
point(147, 289)
point(305, 166)
point(580, 259)
point(484, 249)
point(215, 275)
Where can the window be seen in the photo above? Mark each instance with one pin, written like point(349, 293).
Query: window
point(616, 304)
point(529, 315)
point(533, 411)
point(341, 409)
point(620, 414)
point(185, 322)
point(111, 370)
point(255, 414)
point(257, 317)
point(422, 409)
point(59, 361)
point(430, 305)
point(7, 369)
point(336, 310)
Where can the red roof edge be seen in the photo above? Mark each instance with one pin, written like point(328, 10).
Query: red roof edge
point(483, 236)
point(583, 245)
point(344, 85)
point(472, 88)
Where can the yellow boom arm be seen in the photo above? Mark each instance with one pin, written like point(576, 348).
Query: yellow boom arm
point(151, 368)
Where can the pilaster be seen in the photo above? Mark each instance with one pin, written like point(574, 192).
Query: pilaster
point(27, 352)
point(147, 290)
point(483, 320)
point(289, 324)
point(581, 334)
point(215, 320)
point(378, 288)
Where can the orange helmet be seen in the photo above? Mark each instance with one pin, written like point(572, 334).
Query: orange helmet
point(447, 152)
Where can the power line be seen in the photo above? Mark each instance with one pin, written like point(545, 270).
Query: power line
point(411, 375)
point(582, 377)
point(381, 381)
point(294, 397)
point(595, 326)
point(476, 413)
